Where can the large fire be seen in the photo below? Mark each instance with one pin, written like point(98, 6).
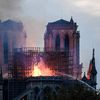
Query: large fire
point(41, 69)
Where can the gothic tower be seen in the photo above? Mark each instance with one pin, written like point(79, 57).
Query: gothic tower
point(63, 36)
point(12, 35)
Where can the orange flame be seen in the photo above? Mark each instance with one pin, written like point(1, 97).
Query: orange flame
point(89, 71)
point(41, 69)
point(36, 71)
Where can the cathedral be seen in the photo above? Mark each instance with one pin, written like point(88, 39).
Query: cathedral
point(27, 76)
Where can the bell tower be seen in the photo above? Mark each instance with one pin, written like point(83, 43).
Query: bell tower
point(63, 36)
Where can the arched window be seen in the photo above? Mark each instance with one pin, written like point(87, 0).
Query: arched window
point(5, 47)
point(57, 44)
point(66, 43)
point(77, 50)
point(36, 91)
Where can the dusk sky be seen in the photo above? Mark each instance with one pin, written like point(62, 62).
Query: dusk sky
point(35, 14)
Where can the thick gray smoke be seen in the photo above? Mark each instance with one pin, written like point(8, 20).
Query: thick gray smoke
point(10, 8)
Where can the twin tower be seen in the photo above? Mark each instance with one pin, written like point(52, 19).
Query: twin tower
point(62, 36)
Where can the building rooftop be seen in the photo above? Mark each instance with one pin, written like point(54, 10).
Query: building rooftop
point(61, 21)
point(11, 25)
point(62, 24)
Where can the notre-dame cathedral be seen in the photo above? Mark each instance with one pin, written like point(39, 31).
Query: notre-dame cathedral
point(61, 54)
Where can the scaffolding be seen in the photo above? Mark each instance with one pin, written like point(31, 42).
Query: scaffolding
point(21, 60)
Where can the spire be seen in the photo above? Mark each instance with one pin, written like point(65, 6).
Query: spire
point(93, 71)
point(93, 57)
point(93, 52)
point(71, 20)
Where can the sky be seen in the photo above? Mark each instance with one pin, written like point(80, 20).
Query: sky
point(35, 14)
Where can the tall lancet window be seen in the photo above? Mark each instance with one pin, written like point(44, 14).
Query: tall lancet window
point(57, 44)
point(77, 50)
point(5, 47)
point(66, 43)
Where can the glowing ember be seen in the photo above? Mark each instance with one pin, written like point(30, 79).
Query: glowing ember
point(41, 69)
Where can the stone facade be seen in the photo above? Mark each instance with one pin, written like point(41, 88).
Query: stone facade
point(63, 36)
point(12, 35)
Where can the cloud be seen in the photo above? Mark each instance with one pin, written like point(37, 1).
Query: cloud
point(91, 7)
